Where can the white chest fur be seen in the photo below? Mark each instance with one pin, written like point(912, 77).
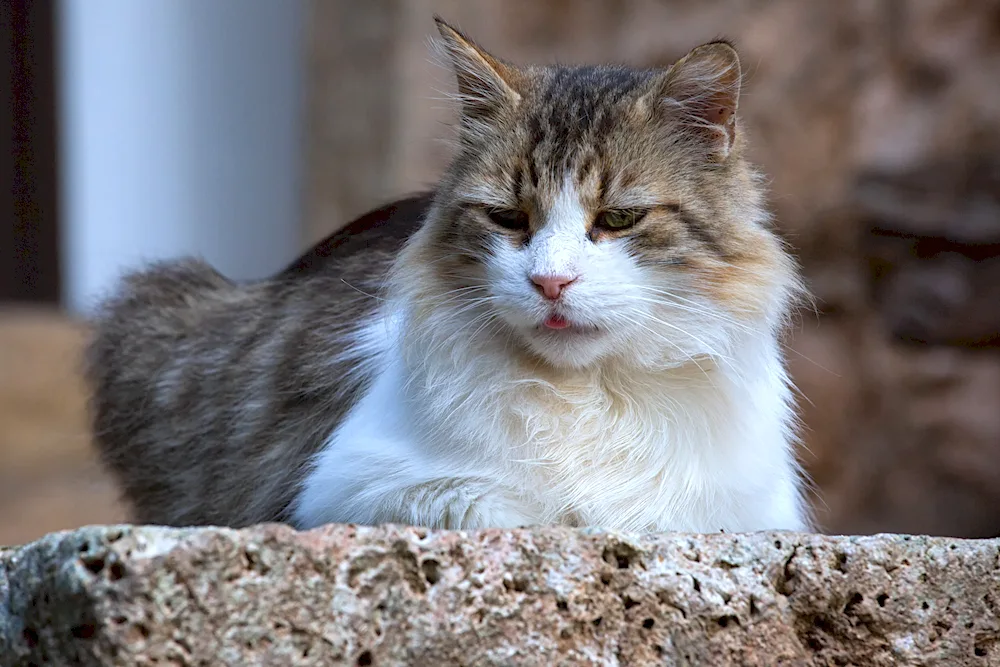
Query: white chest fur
point(477, 442)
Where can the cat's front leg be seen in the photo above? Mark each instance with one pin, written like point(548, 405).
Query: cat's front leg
point(377, 468)
point(458, 503)
point(370, 492)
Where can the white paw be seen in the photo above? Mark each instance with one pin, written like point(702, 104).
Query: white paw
point(495, 510)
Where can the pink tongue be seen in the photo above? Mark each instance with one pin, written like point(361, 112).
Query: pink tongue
point(556, 322)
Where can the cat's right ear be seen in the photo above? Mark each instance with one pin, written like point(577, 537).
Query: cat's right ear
point(705, 86)
point(485, 84)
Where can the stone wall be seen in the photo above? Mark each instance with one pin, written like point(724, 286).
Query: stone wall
point(49, 475)
point(879, 123)
point(394, 596)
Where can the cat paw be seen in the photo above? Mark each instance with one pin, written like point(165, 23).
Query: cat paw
point(496, 511)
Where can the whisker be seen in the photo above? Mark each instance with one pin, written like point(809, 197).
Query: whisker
point(361, 291)
point(708, 347)
point(698, 311)
point(459, 331)
point(669, 293)
point(789, 348)
point(671, 343)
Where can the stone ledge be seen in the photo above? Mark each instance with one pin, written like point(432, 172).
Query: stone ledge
point(346, 595)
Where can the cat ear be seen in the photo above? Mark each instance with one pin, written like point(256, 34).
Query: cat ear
point(485, 83)
point(705, 86)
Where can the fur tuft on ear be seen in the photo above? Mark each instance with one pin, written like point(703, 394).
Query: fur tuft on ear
point(485, 83)
point(705, 85)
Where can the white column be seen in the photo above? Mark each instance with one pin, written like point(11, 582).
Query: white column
point(180, 131)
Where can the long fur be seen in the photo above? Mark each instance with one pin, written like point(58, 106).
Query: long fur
point(411, 378)
point(681, 420)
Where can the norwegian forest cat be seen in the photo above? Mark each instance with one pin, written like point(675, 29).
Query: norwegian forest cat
point(581, 325)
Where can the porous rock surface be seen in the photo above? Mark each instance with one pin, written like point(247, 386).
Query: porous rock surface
point(345, 595)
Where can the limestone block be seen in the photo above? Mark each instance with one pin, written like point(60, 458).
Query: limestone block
point(346, 595)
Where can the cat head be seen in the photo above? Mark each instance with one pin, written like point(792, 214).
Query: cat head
point(604, 212)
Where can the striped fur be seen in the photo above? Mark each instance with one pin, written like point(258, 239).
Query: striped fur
point(420, 376)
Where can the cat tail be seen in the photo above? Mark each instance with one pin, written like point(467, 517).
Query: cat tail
point(149, 320)
point(152, 308)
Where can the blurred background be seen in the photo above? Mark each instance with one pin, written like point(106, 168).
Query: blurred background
point(244, 130)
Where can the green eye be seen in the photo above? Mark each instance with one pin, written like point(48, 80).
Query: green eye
point(619, 218)
point(509, 218)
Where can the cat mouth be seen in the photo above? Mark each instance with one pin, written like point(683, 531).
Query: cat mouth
point(556, 322)
point(560, 324)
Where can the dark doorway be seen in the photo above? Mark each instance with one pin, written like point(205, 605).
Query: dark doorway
point(29, 244)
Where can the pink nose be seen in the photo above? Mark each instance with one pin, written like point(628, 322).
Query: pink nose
point(552, 286)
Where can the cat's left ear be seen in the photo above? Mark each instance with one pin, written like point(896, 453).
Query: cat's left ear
point(486, 83)
point(705, 86)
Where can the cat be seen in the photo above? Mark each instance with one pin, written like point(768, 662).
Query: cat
point(580, 325)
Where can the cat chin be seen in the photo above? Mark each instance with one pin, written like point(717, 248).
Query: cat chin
point(601, 350)
point(585, 346)
point(575, 347)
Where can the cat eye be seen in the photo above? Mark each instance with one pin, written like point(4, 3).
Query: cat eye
point(508, 218)
point(616, 219)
